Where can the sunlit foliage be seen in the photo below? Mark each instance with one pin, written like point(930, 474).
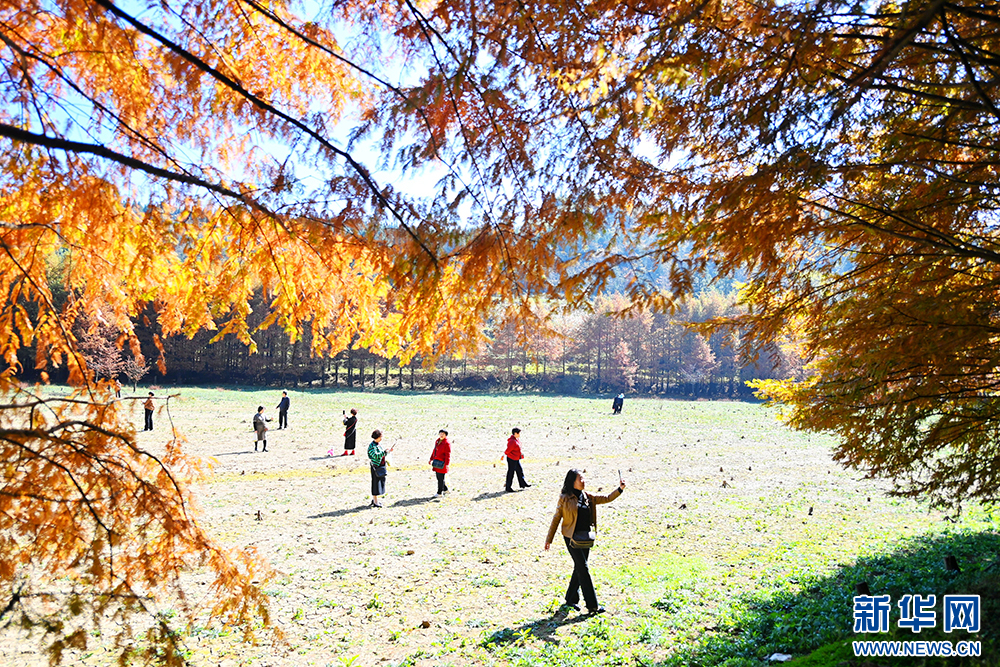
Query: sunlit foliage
point(842, 157)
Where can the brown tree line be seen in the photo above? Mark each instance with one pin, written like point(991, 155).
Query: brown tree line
point(581, 352)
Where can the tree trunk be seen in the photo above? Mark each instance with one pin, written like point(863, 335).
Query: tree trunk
point(597, 375)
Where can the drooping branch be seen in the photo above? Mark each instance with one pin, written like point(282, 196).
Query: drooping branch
point(58, 143)
point(262, 104)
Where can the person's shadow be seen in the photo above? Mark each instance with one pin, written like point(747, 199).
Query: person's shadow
point(487, 495)
point(338, 513)
point(412, 501)
point(543, 629)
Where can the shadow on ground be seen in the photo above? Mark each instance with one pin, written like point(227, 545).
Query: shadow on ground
point(818, 616)
point(412, 501)
point(344, 512)
point(488, 495)
point(543, 629)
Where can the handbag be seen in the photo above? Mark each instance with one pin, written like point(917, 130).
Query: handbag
point(437, 464)
point(583, 539)
point(380, 471)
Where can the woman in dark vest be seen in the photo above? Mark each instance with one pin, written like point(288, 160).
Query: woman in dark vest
point(350, 432)
point(376, 463)
point(577, 510)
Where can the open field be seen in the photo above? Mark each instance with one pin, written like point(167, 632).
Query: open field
point(722, 503)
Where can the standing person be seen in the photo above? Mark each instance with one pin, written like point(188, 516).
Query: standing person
point(148, 405)
point(350, 432)
point(440, 458)
point(283, 410)
point(514, 458)
point(618, 403)
point(577, 510)
point(260, 428)
point(376, 460)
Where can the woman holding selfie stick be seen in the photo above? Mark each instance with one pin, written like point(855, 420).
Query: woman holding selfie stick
point(350, 431)
point(577, 511)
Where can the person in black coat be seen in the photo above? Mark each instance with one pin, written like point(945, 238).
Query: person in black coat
point(283, 411)
point(350, 432)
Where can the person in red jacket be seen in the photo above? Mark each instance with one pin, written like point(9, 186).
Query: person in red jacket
point(440, 458)
point(514, 457)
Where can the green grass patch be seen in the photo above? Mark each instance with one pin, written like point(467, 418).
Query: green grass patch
point(815, 616)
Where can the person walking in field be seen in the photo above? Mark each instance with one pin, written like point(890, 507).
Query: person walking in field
point(260, 427)
point(440, 458)
point(148, 407)
point(514, 457)
point(350, 432)
point(283, 405)
point(577, 511)
point(377, 462)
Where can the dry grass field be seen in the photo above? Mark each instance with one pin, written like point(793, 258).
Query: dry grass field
point(723, 505)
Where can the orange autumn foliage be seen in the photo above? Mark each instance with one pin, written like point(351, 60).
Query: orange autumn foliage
point(840, 160)
point(137, 172)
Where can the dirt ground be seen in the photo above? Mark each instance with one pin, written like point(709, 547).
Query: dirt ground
point(716, 490)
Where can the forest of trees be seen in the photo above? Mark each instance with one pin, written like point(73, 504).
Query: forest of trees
point(583, 353)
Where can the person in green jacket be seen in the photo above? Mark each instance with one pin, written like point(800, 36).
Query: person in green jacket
point(376, 460)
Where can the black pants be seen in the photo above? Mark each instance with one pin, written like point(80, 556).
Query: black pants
point(282, 418)
point(514, 467)
point(442, 487)
point(580, 579)
point(149, 421)
point(378, 483)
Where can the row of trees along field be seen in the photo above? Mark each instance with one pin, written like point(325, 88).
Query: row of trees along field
point(579, 352)
point(584, 352)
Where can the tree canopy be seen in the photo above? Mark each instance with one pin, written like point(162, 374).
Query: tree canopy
point(842, 157)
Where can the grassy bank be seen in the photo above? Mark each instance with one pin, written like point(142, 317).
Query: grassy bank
point(735, 539)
